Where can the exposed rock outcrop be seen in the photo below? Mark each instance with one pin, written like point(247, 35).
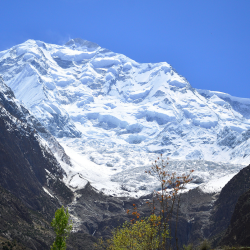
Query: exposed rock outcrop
point(225, 205)
point(238, 232)
point(30, 181)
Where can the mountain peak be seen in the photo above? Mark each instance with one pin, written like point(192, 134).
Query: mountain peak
point(108, 108)
point(78, 42)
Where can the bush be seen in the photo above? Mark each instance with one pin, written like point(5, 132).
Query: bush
point(153, 232)
point(205, 245)
point(188, 247)
point(146, 233)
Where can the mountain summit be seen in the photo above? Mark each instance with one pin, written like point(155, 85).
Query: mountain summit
point(78, 42)
point(114, 116)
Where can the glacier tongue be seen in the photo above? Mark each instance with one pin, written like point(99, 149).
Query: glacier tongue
point(114, 116)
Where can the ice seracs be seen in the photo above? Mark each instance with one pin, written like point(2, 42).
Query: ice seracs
point(119, 115)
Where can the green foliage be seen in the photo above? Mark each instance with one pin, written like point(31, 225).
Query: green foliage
point(153, 232)
point(8, 245)
point(205, 245)
point(62, 228)
point(143, 234)
point(188, 247)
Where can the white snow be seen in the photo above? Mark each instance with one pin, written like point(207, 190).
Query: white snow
point(46, 191)
point(73, 55)
point(114, 116)
point(104, 62)
point(215, 185)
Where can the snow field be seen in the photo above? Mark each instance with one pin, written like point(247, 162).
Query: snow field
point(114, 116)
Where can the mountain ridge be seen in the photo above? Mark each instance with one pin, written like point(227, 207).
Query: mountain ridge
point(115, 115)
point(74, 134)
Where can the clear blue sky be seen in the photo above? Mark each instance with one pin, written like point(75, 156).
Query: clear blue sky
point(207, 41)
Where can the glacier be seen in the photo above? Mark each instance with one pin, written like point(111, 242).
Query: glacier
point(113, 116)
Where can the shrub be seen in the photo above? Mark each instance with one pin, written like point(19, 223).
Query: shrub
point(205, 245)
point(188, 247)
point(146, 233)
point(153, 232)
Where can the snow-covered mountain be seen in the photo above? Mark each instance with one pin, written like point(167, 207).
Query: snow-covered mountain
point(113, 116)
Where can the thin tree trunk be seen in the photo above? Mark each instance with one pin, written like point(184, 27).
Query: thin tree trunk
point(176, 223)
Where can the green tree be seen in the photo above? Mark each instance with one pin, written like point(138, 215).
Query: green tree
point(143, 234)
point(169, 196)
point(62, 228)
point(153, 232)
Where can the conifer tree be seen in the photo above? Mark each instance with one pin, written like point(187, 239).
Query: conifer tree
point(62, 228)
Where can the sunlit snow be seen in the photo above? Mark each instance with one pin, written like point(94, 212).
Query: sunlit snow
point(114, 116)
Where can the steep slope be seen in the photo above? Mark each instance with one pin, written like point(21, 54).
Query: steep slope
point(30, 182)
point(16, 109)
point(238, 232)
point(33, 177)
point(23, 150)
point(114, 116)
point(20, 225)
point(221, 217)
point(31, 187)
point(224, 206)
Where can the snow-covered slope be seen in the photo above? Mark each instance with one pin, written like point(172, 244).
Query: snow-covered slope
point(113, 116)
point(23, 117)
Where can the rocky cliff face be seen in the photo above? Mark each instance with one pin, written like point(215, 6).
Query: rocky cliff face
point(26, 163)
point(17, 110)
point(31, 186)
point(225, 205)
point(238, 232)
point(219, 217)
point(29, 229)
point(30, 180)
